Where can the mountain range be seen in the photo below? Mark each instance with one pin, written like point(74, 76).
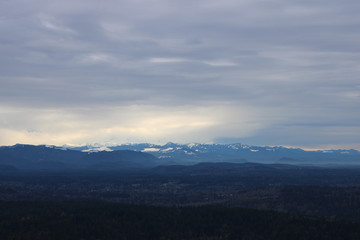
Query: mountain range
point(172, 153)
point(146, 155)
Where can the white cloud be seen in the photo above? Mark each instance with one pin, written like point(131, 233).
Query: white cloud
point(220, 63)
point(56, 27)
point(97, 58)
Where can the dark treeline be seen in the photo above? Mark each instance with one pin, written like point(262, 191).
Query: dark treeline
point(102, 220)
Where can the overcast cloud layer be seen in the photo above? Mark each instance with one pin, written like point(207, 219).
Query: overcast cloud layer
point(252, 71)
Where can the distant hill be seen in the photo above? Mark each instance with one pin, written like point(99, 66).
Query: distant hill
point(44, 157)
point(172, 153)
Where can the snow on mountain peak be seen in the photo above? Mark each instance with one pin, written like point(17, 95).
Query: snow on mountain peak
point(98, 149)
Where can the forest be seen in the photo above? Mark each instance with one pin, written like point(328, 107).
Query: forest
point(104, 220)
point(206, 201)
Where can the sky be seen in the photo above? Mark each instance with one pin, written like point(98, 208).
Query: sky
point(258, 72)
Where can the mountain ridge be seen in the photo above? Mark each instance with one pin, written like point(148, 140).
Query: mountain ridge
point(147, 155)
point(31, 157)
point(192, 153)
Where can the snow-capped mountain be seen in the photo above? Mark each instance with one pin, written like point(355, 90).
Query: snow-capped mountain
point(146, 155)
point(173, 153)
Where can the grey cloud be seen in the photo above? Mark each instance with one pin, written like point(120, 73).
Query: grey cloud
point(291, 62)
